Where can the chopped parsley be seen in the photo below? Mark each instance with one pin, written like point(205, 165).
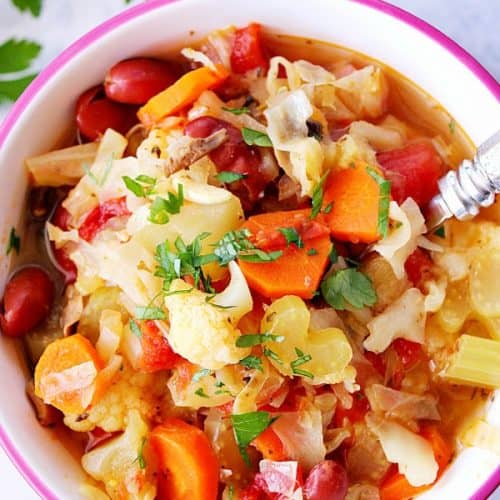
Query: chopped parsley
point(334, 256)
point(441, 232)
point(14, 243)
point(247, 426)
point(140, 455)
point(312, 251)
point(348, 286)
point(162, 208)
point(251, 339)
point(272, 355)
point(34, 6)
point(229, 177)
point(204, 372)
point(253, 362)
point(150, 312)
point(134, 328)
point(384, 200)
point(292, 236)
point(255, 138)
point(90, 174)
point(141, 186)
point(317, 196)
point(244, 110)
point(301, 359)
point(328, 208)
point(200, 392)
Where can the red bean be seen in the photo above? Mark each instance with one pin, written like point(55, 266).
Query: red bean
point(135, 81)
point(235, 156)
point(95, 113)
point(27, 301)
point(326, 481)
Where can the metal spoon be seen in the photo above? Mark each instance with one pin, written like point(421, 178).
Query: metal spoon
point(473, 185)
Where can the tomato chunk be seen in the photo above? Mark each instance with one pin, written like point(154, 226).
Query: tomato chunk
point(418, 267)
point(360, 407)
point(101, 214)
point(410, 353)
point(413, 171)
point(188, 465)
point(248, 51)
point(157, 353)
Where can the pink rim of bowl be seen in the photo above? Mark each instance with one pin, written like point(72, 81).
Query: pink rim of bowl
point(51, 70)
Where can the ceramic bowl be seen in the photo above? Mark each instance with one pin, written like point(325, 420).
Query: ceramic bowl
point(43, 112)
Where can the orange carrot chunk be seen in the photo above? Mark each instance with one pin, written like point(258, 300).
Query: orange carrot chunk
point(180, 94)
point(299, 270)
point(270, 445)
point(354, 197)
point(67, 374)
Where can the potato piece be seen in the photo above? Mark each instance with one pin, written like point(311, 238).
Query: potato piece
point(456, 307)
point(484, 285)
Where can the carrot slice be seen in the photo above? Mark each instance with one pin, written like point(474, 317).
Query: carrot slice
point(180, 94)
point(270, 445)
point(299, 270)
point(354, 196)
point(189, 469)
point(67, 374)
point(397, 487)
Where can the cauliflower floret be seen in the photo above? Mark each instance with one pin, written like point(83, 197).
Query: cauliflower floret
point(131, 390)
point(203, 331)
point(116, 463)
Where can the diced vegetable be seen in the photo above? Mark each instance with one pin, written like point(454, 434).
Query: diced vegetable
point(413, 171)
point(248, 51)
point(66, 375)
point(188, 465)
point(63, 167)
point(295, 272)
point(157, 353)
point(475, 362)
point(418, 267)
point(483, 283)
point(180, 94)
point(270, 445)
point(355, 212)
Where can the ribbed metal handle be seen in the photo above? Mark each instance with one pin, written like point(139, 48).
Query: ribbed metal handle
point(473, 185)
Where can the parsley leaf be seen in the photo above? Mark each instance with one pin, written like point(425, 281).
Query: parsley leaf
point(134, 328)
point(440, 232)
point(260, 256)
point(317, 195)
point(200, 392)
point(272, 355)
point(334, 256)
point(34, 6)
point(238, 111)
point(14, 242)
point(17, 55)
point(141, 186)
point(348, 285)
point(150, 312)
point(204, 372)
point(162, 208)
point(255, 138)
point(247, 426)
point(312, 251)
point(140, 455)
point(229, 177)
point(292, 236)
point(253, 362)
point(10, 90)
point(301, 359)
point(328, 208)
point(251, 339)
point(384, 200)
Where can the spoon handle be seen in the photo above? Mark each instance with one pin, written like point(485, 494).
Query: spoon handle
point(473, 185)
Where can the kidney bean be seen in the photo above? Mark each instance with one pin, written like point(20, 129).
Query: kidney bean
point(95, 113)
point(326, 481)
point(234, 155)
point(27, 301)
point(135, 81)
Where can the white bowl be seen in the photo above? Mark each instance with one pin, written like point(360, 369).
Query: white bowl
point(43, 112)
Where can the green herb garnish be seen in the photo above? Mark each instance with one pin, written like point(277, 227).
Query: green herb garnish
point(204, 372)
point(134, 328)
point(440, 231)
point(253, 362)
point(348, 285)
point(383, 203)
point(150, 312)
point(162, 208)
point(247, 426)
point(141, 186)
point(317, 195)
point(200, 392)
point(14, 242)
point(229, 177)
point(272, 355)
point(244, 110)
point(17, 55)
point(140, 455)
point(256, 138)
point(251, 339)
point(312, 251)
point(301, 359)
point(292, 236)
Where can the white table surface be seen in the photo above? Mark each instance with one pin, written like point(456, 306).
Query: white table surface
point(473, 23)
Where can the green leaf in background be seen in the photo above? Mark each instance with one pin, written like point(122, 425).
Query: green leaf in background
point(34, 6)
point(10, 90)
point(16, 55)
